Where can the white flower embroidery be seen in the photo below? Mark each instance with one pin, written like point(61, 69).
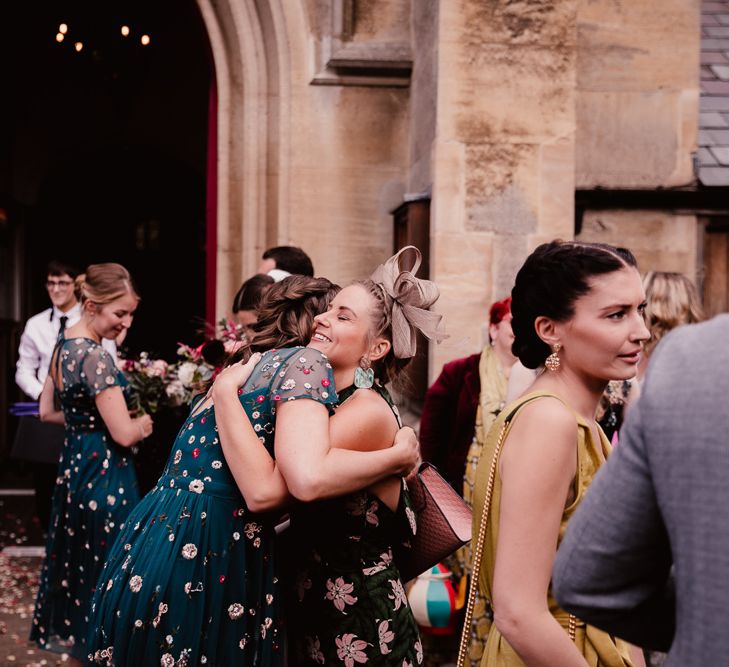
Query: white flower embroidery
point(138, 623)
point(289, 384)
point(178, 456)
point(217, 465)
point(135, 583)
point(167, 660)
point(412, 520)
point(235, 611)
point(196, 486)
point(93, 505)
point(111, 500)
point(419, 651)
point(189, 551)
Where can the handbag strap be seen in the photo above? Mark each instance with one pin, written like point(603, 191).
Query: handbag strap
point(478, 551)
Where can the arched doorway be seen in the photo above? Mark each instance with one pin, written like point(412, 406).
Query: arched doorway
point(108, 141)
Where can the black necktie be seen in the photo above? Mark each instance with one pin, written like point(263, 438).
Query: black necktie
point(63, 319)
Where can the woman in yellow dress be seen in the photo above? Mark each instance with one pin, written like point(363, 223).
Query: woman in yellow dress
point(577, 309)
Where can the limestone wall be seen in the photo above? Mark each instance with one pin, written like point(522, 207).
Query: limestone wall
point(503, 160)
point(637, 93)
point(660, 240)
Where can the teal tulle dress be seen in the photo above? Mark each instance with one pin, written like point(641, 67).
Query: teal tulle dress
point(95, 490)
point(192, 579)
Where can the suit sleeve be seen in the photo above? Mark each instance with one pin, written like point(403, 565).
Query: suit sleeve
point(27, 367)
point(613, 566)
point(438, 419)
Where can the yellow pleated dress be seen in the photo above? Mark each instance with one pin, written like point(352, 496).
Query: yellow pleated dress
point(598, 648)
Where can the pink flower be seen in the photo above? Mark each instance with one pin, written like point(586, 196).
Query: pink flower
point(313, 650)
point(340, 593)
point(260, 398)
point(398, 594)
point(325, 382)
point(350, 649)
point(386, 636)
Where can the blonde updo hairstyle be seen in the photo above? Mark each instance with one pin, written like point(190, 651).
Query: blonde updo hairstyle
point(672, 300)
point(104, 283)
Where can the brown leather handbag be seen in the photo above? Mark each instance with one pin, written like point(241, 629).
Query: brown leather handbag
point(443, 522)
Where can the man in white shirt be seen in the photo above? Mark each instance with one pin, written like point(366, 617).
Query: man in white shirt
point(36, 442)
point(42, 330)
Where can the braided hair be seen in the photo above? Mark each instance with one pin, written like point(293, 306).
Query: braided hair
point(551, 279)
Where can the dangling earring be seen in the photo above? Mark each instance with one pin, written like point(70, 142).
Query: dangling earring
point(552, 361)
point(364, 376)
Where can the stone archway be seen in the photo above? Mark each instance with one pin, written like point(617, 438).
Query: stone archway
point(253, 44)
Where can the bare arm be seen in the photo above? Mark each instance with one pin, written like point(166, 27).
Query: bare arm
point(314, 470)
point(47, 407)
point(537, 467)
point(124, 430)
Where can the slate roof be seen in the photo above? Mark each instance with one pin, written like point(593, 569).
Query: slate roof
point(713, 154)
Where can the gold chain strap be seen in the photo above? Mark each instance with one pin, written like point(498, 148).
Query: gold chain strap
point(477, 558)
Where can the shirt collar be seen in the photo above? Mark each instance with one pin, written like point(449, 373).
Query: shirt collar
point(57, 313)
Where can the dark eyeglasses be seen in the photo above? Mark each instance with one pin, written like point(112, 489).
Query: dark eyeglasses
point(61, 284)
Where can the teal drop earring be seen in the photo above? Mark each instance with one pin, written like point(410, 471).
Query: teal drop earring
point(364, 378)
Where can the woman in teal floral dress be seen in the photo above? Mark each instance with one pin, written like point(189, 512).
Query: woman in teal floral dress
point(192, 579)
point(96, 486)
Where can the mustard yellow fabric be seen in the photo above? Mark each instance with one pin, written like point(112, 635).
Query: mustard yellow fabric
point(490, 403)
point(598, 648)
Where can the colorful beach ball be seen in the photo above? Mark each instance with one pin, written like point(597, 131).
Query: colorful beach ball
point(433, 601)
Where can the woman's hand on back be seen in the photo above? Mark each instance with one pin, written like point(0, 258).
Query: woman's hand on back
point(407, 445)
point(236, 375)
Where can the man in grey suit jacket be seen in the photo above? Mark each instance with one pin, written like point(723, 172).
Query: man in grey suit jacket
point(662, 500)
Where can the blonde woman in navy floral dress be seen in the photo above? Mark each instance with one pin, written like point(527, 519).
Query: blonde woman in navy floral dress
point(96, 486)
point(192, 579)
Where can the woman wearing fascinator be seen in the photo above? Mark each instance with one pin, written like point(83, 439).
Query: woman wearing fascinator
point(346, 600)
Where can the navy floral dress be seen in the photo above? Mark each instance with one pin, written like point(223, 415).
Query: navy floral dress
point(192, 579)
point(95, 490)
point(347, 605)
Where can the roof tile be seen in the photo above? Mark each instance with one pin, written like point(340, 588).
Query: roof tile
point(715, 87)
point(712, 119)
point(721, 71)
point(706, 158)
point(714, 58)
point(714, 175)
point(721, 153)
point(719, 137)
point(715, 43)
point(714, 103)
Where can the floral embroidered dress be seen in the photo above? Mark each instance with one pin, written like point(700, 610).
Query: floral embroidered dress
point(348, 605)
point(95, 490)
point(192, 579)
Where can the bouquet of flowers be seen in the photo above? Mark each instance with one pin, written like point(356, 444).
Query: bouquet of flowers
point(156, 383)
point(187, 377)
point(147, 378)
